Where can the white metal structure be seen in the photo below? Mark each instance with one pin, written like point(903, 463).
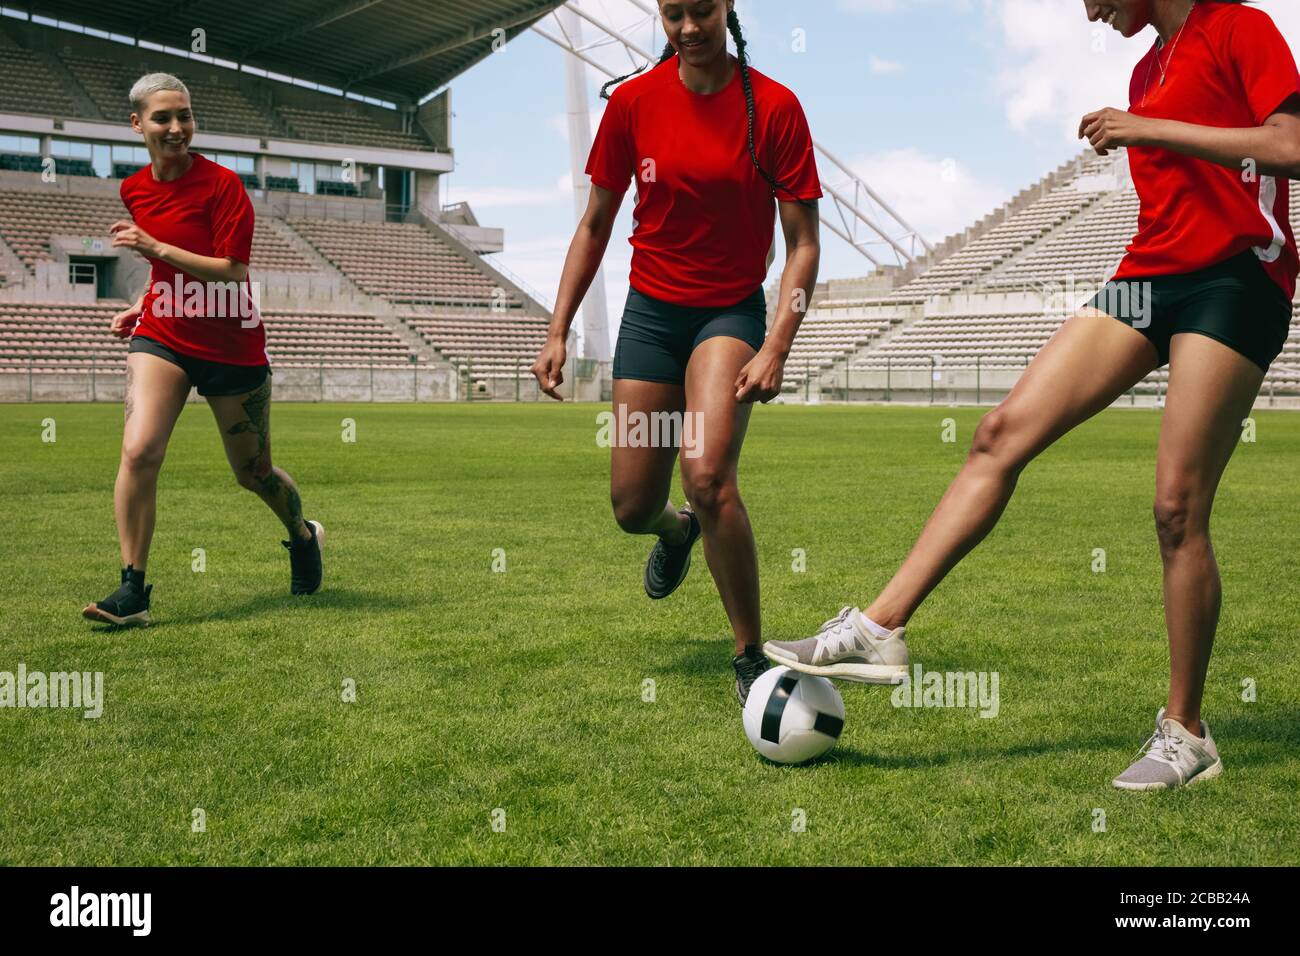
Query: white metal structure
point(595, 311)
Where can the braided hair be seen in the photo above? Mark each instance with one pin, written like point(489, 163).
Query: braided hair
point(733, 26)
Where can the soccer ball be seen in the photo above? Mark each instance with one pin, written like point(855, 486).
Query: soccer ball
point(791, 717)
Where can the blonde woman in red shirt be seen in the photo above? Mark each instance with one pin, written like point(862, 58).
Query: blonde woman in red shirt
point(196, 326)
point(1213, 134)
point(717, 151)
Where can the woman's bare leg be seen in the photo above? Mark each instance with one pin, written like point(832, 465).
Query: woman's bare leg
point(641, 478)
point(709, 480)
point(1211, 391)
point(245, 423)
point(156, 391)
point(1089, 362)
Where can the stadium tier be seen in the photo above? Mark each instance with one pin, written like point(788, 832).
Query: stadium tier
point(224, 108)
point(91, 80)
point(994, 302)
point(357, 129)
point(403, 262)
point(31, 85)
point(29, 219)
point(490, 345)
point(60, 337)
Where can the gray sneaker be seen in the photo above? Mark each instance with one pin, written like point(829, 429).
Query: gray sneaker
point(1172, 758)
point(843, 648)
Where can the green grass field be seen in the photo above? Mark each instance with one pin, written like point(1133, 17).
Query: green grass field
point(522, 690)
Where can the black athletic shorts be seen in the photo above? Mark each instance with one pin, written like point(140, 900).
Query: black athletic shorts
point(656, 338)
point(1234, 301)
point(210, 378)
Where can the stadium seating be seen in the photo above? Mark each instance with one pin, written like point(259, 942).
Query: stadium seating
point(28, 219)
point(52, 337)
point(490, 345)
point(105, 75)
point(403, 262)
point(340, 125)
point(1067, 235)
point(31, 86)
point(978, 258)
point(218, 107)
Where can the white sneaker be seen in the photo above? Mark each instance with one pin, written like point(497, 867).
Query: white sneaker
point(1172, 757)
point(843, 648)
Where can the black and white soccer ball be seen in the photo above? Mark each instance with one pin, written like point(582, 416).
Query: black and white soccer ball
point(791, 717)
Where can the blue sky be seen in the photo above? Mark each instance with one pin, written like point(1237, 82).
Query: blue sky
point(946, 107)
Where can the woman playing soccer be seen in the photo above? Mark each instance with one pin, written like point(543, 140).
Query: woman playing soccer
point(196, 326)
point(716, 149)
point(1213, 134)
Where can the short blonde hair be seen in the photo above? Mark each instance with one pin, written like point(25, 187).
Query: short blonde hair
point(152, 83)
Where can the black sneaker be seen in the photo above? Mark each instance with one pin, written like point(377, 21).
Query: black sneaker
point(304, 561)
point(128, 606)
point(749, 666)
point(668, 563)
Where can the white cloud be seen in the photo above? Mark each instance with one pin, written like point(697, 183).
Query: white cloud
point(879, 66)
point(1053, 66)
point(936, 195)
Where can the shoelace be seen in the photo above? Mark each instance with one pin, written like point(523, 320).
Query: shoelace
point(1160, 746)
point(839, 630)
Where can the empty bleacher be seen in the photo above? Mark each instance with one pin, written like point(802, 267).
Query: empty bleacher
point(994, 247)
point(222, 103)
point(491, 345)
point(59, 337)
point(218, 106)
point(402, 262)
point(1088, 250)
point(31, 86)
point(342, 125)
point(30, 218)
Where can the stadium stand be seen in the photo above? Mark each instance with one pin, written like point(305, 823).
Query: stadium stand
point(402, 262)
point(55, 337)
point(30, 218)
point(1057, 205)
point(31, 86)
point(347, 127)
point(490, 345)
point(219, 107)
point(34, 85)
point(993, 303)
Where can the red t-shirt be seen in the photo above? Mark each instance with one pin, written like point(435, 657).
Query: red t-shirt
point(207, 212)
point(1231, 69)
point(704, 215)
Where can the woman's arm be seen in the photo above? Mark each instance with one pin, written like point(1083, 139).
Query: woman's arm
point(204, 268)
point(1274, 148)
point(760, 379)
point(580, 267)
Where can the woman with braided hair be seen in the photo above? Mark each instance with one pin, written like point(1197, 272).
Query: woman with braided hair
point(717, 149)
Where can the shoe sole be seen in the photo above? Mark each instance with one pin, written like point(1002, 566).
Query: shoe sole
point(320, 546)
point(96, 613)
point(1209, 773)
point(857, 673)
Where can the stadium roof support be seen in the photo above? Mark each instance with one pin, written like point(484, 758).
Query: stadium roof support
point(358, 46)
point(856, 213)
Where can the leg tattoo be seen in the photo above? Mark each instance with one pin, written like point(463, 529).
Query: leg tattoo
point(274, 486)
